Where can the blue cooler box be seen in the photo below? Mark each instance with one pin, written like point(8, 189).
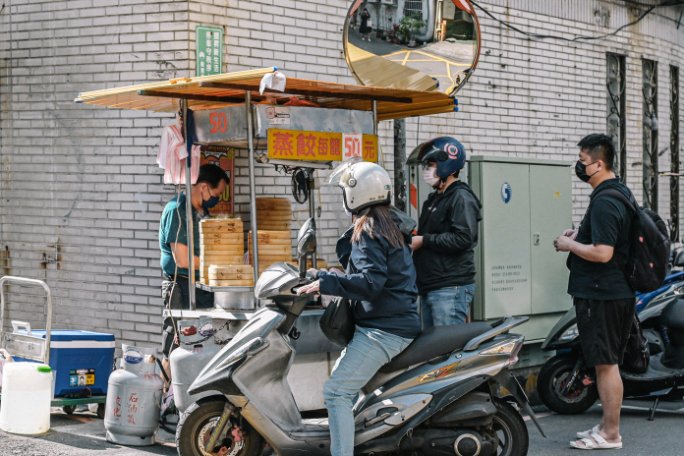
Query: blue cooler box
point(82, 361)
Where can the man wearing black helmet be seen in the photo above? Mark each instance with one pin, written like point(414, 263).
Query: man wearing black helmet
point(443, 250)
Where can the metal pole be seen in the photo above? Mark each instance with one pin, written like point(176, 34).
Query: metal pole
point(188, 212)
point(399, 159)
point(374, 107)
point(312, 208)
point(252, 185)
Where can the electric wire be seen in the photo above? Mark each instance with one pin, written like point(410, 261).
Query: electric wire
point(540, 36)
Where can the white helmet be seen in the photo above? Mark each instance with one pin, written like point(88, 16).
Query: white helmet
point(363, 184)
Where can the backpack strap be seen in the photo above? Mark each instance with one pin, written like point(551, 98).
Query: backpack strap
point(631, 205)
point(620, 196)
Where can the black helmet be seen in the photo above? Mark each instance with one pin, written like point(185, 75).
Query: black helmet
point(447, 152)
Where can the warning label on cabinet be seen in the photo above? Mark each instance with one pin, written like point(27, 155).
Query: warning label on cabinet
point(507, 277)
point(81, 377)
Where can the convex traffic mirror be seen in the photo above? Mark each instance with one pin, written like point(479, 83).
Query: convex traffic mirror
point(412, 44)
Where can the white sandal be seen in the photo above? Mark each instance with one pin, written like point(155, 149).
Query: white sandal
point(595, 442)
point(587, 433)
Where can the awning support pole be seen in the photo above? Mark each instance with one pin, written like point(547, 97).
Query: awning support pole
point(188, 212)
point(311, 184)
point(252, 185)
point(374, 107)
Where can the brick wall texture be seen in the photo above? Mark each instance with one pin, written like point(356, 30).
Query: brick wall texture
point(81, 195)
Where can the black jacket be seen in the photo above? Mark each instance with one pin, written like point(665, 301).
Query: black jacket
point(380, 279)
point(449, 226)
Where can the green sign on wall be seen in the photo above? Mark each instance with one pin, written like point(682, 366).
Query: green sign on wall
point(209, 50)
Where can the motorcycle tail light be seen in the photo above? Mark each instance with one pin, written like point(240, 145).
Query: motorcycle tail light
point(505, 348)
point(508, 347)
point(189, 331)
point(513, 359)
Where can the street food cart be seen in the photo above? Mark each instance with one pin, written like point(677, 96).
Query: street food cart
point(309, 125)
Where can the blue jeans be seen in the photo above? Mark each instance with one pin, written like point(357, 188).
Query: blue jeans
point(446, 306)
point(367, 352)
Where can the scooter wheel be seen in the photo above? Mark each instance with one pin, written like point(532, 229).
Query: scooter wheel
point(553, 378)
point(196, 424)
point(510, 430)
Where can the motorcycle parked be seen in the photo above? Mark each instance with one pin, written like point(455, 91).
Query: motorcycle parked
point(439, 396)
point(567, 386)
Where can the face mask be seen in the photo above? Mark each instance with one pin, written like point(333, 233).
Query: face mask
point(581, 171)
point(430, 177)
point(211, 202)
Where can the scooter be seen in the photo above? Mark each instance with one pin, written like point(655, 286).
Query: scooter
point(440, 396)
point(676, 274)
point(567, 386)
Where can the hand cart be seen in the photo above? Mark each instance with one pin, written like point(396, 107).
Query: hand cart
point(22, 343)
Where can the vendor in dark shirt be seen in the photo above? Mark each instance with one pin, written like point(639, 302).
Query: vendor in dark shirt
point(173, 244)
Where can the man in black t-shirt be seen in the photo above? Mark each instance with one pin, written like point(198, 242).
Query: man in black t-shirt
point(603, 299)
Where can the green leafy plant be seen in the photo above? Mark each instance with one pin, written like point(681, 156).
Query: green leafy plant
point(408, 26)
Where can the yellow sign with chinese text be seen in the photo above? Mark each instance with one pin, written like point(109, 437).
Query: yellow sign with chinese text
point(320, 146)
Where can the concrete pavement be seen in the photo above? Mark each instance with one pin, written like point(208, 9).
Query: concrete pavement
point(82, 434)
point(661, 437)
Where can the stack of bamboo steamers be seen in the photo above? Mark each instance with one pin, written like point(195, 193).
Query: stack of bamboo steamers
point(273, 220)
point(222, 244)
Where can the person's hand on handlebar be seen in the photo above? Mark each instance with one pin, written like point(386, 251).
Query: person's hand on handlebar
point(313, 287)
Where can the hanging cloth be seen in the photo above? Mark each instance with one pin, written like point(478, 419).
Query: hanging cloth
point(173, 154)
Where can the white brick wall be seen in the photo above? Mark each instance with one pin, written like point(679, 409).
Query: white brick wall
point(79, 184)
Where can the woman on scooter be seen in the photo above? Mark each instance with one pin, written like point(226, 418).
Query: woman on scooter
point(380, 279)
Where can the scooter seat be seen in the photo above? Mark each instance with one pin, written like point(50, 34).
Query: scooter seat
point(436, 341)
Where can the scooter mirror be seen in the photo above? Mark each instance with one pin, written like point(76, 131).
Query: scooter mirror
point(306, 239)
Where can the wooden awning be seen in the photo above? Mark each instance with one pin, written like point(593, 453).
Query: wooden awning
point(216, 91)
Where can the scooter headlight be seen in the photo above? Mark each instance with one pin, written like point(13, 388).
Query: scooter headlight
point(571, 333)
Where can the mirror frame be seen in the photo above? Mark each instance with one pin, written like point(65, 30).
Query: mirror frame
point(476, 22)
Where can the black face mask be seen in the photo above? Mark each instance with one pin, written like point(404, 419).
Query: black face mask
point(581, 171)
point(211, 202)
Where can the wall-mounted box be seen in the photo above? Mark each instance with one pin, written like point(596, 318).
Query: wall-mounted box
point(526, 204)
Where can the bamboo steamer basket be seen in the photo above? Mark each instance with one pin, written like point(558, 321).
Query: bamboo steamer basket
point(274, 214)
point(232, 275)
point(274, 246)
point(224, 225)
point(272, 203)
point(233, 240)
point(222, 242)
point(230, 271)
point(231, 283)
point(275, 226)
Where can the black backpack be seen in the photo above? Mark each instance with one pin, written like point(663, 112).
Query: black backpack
point(649, 247)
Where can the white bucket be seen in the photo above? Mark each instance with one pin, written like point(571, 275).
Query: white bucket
point(2, 363)
point(26, 397)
